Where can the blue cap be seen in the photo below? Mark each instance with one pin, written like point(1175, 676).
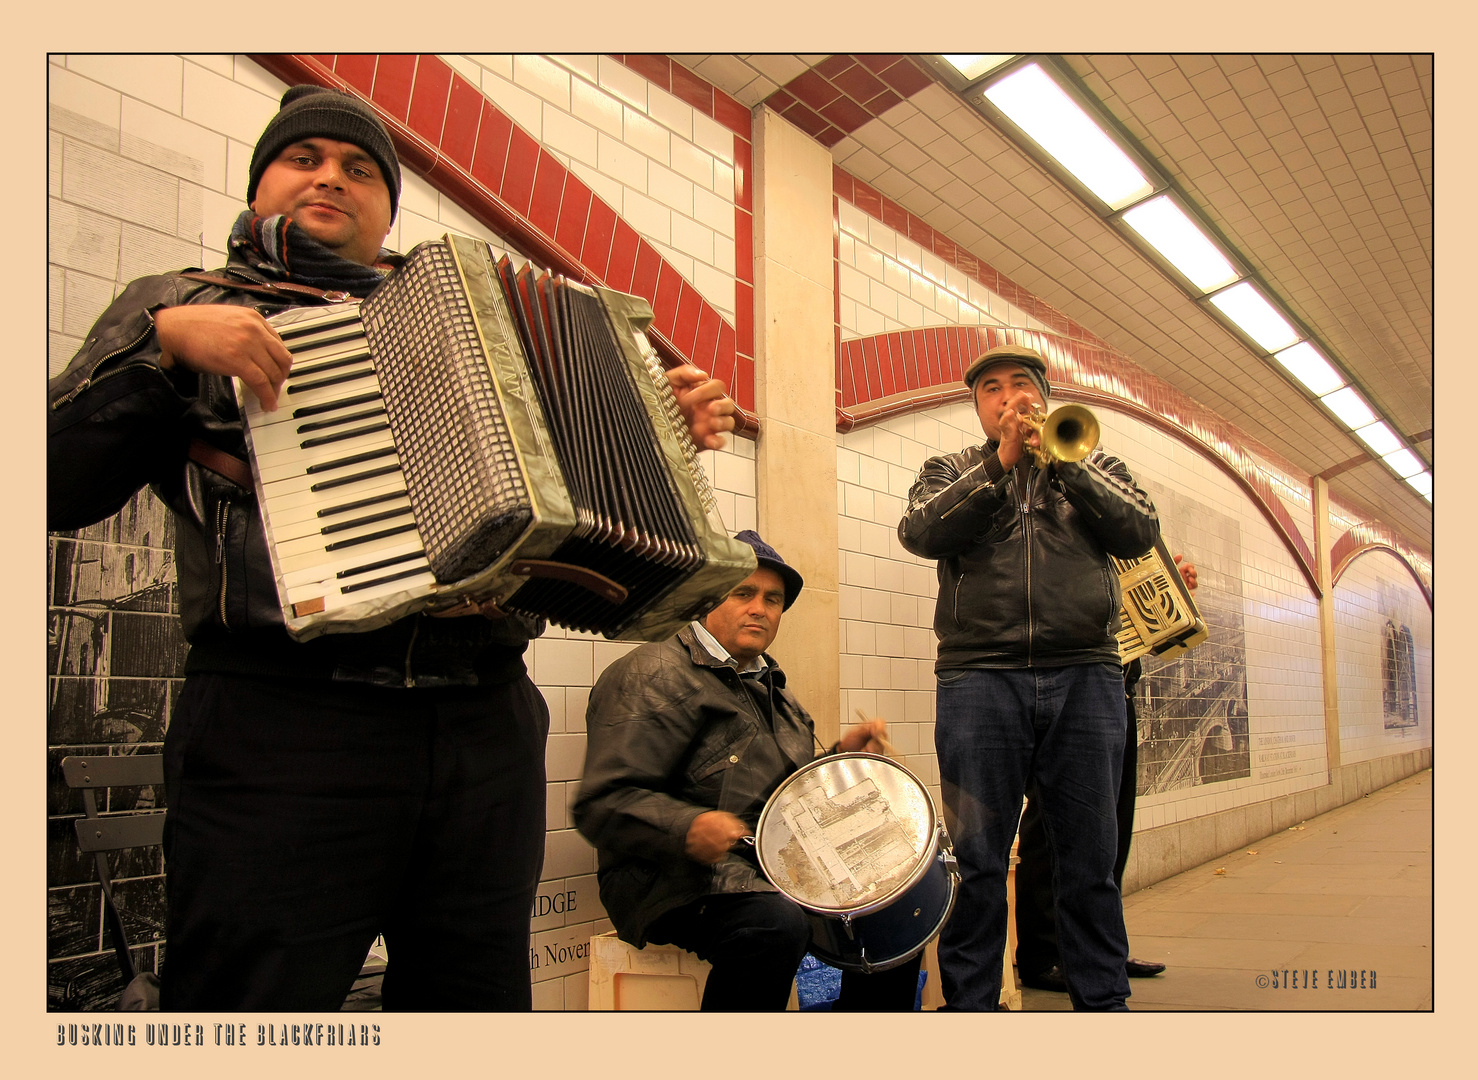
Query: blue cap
point(770, 558)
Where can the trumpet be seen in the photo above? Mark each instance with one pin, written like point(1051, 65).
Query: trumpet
point(1068, 433)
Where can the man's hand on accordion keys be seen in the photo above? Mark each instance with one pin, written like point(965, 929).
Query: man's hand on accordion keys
point(221, 339)
point(705, 404)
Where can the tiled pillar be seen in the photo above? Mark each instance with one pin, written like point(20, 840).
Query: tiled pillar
point(1323, 543)
point(795, 396)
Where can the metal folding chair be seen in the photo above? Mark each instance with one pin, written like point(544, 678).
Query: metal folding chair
point(99, 833)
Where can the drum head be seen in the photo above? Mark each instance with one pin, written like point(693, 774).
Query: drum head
point(847, 834)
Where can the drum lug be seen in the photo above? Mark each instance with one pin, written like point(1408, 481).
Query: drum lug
point(846, 920)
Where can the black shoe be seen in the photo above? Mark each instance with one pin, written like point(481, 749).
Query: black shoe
point(1051, 979)
point(1142, 969)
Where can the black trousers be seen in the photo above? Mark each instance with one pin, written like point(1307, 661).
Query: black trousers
point(755, 942)
point(305, 818)
point(1036, 919)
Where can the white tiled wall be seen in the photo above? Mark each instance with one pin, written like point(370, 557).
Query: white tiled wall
point(888, 282)
point(651, 157)
point(886, 594)
point(1376, 588)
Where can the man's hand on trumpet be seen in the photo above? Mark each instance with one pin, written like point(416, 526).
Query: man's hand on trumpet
point(1016, 437)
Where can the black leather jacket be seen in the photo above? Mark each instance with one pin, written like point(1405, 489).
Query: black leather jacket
point(1023, 576)
point(116, 421)
point(672, 733)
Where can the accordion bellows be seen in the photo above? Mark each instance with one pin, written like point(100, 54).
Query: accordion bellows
point(468, 432)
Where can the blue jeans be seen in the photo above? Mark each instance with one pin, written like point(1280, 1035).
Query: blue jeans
point(1064, 727)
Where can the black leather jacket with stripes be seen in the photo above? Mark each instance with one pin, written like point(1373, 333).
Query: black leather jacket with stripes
point(1024, 578)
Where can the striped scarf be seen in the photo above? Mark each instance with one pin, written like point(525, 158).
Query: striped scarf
point(278, 248)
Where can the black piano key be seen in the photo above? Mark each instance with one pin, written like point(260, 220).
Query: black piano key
point(332, 380)
point(308, 368)
point(339, 545)
point(345, 462)
point(320, 425)
point(368, 519)
point(369, 474)
point(340, 436)
point(342, 403)
point(394, 560)
point(383, 580)
point(358, 504)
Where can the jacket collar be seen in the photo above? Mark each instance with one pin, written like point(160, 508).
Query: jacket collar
point(703, 658)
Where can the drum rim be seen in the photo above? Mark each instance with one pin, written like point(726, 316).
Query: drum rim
point(935, 829)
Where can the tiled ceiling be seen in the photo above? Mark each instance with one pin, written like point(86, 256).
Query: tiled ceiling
point(1317, 169)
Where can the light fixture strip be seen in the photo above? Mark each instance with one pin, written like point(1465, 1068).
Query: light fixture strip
point(1173, 234)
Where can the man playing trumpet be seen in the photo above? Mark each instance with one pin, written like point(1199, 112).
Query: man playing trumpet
point(1029, 682)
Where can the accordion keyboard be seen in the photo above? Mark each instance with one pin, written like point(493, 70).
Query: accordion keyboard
point(334, 498)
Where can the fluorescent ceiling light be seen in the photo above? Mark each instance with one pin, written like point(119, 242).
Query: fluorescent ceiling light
point(974, 65)
point(1422, 481)
point(1348, 406)
point(1404, 462)
point(1037, 105)
point(1257, 318)
point(1170, 232)
point(1305, 364)
point(1379, 438)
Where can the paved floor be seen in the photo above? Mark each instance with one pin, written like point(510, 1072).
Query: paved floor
point(1264, 927)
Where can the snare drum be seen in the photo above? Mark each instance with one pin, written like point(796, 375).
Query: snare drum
point(854, 839)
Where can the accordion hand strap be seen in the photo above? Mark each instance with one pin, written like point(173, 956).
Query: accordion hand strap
point(597, 583)
point(286, 290)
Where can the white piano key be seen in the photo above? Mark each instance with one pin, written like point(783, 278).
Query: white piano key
point(334, 562)
point(287, 439)
point(300, 519)
point(292, 500)
point(271, 458)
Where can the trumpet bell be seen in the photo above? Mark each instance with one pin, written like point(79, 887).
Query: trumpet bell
point(1070, 433)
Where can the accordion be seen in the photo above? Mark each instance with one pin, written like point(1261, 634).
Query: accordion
point(1158, 614)
point(468, 432)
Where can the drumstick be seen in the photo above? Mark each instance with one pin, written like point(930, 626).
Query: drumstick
point(883, 740)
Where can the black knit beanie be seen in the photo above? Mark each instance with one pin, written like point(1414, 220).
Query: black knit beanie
point(309, 111)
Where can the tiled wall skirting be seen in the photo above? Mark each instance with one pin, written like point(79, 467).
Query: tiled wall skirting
point(1161, 853)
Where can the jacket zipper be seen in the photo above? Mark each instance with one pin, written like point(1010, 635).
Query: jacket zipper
point(223, 511)
point(1026, 548)
point(410, 677)
point(86, 382)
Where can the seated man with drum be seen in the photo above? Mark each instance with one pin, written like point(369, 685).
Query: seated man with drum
point(687, 740)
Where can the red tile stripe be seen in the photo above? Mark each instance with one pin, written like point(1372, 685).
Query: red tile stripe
point(737, 340)
point(843, 92)
point(1369, 536)
point(445, 129)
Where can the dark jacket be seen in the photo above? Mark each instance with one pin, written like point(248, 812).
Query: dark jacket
point(672, 733)
point(1024, 578)
point(116, 422)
